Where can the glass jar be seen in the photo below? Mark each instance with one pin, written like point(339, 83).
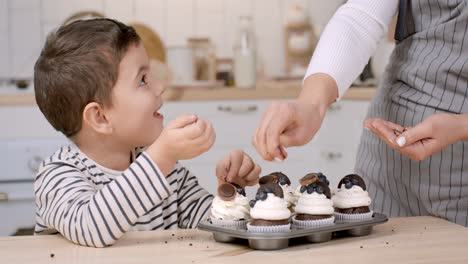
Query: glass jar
point(204, 56)
point(245, 54)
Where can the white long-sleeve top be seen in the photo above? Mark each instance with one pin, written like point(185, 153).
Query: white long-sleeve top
point(94, 206)
point(350, 38)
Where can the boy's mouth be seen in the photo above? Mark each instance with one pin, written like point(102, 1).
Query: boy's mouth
point(156, 113)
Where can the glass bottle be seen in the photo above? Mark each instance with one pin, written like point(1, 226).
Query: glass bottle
point(245, 64)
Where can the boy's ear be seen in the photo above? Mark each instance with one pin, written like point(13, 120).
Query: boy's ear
point(94, 117)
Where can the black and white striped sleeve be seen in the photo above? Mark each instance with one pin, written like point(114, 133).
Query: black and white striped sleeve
point(67, 202)
point(194, 201)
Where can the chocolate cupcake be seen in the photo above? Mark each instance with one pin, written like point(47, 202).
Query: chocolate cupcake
point(285, 183)
point(269, 210)
point(352, 200)
point(230, 207)
point(314, 207)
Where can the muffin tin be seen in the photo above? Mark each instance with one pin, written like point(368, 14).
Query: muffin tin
point(274, 241)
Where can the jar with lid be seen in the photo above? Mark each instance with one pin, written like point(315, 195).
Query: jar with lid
point(245, 63)
point(204, 56)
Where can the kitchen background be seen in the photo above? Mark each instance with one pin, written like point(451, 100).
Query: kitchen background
point(26, 137)
point(24, 24)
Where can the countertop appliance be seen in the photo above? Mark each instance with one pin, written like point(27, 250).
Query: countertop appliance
point(19, 161)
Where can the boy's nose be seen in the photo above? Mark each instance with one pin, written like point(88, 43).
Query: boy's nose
point(159, 88)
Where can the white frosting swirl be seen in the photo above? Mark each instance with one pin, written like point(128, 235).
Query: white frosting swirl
point(231, 210)
point(314, 204)
point(289, 195)
point(273, 208)
point(349, 198)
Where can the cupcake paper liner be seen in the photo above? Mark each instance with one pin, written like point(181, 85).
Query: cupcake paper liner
point(269, 229)
point(237, 224)
point(304, 224)
point(344, 218)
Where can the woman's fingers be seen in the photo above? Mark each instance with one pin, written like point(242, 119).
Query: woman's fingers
point(417, 133)
point(384, 132)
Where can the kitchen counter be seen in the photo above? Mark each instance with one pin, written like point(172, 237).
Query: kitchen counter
point(270, 90)
point(400, 240)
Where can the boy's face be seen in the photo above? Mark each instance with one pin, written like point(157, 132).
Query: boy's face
point(136, 100)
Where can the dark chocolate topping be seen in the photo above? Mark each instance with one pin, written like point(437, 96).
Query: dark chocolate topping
point(352, 179)
point(227, 191)
point(267, 179)
point(240, 190)
point(282, 178)
point(271, 187)
point(308, 179)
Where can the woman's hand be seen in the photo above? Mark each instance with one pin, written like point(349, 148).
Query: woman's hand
point(238, 168)
point(423, 140)
point(287, 124)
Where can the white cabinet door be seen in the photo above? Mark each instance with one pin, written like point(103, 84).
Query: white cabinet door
point(25, 122)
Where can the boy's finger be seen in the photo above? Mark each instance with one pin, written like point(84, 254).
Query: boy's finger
point(195, 129)
point(222, 169)
point(253, 176)
point(236, 162)
point(246, 167)
point(182, 121)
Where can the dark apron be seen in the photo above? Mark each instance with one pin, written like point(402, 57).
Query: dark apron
point(427, 74)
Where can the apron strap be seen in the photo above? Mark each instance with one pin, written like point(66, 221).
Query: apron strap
point(405, 23)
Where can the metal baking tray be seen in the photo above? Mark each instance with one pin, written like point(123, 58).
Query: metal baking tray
point(274, 241)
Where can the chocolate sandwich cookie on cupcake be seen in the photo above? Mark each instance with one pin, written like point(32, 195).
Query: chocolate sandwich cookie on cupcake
point(314, 207)
point(320, 177)
point(352, 200)
point(285, 183)
point(269, 210)
point(230, 207)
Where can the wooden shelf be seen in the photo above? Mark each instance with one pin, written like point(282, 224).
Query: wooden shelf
point(268, 90)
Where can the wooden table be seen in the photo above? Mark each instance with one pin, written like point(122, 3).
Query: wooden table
point(401, 240)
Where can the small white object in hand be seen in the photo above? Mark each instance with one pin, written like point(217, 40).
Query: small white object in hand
point(401, 141)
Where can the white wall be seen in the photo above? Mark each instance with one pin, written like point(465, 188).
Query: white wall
point(24, 24)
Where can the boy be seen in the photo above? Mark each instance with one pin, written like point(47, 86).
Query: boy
point(93, 83)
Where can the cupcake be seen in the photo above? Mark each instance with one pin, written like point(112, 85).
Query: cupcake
point(351, 200)
point(314, 207)
point(283, 181)
point(230, 207)
point(269, 211)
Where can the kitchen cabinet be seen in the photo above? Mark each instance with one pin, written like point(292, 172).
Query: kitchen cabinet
point(24, 38)
point(332, 151)
point(4, 39)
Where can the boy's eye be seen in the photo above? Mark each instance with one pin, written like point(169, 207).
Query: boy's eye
point(143, 80)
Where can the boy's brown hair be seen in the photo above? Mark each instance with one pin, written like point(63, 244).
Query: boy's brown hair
point(79, 64)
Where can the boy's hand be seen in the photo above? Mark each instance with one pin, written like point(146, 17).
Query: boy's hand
point(183, 138)
point(238, 168)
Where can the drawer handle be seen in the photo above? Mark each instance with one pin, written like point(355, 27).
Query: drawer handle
point(329, 155)
point(3, 197)
point(334, 108)
point(237, 109)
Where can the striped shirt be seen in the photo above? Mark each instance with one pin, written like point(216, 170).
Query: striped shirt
point(92, 205)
